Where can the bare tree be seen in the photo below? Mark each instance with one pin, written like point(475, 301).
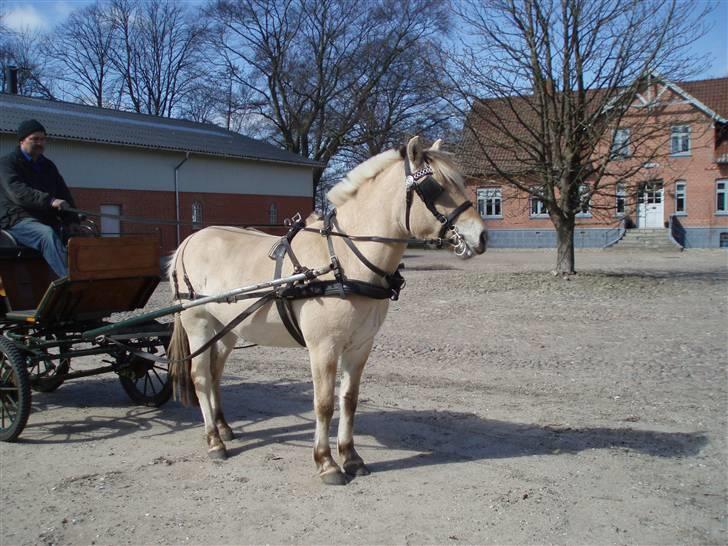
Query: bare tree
point(313, 65)
point(545, 83)
point(157, 52)
point(403, 103)
point(81, 46)
point(23, 49)
point(218, 97)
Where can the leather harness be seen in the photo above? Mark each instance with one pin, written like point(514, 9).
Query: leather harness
point(428, 190)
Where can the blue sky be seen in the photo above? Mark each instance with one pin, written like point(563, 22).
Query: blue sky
point(44, 14)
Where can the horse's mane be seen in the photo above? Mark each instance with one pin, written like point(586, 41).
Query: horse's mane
point(441, 163)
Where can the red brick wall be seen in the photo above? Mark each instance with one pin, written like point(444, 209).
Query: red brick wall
point(217, 208)
point(699, 170)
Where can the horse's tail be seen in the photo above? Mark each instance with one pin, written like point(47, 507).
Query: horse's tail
point(180, 366)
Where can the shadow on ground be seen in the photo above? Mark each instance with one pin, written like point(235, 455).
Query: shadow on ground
point(438, 437)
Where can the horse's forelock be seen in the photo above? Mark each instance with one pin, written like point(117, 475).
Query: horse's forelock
point(444, 166)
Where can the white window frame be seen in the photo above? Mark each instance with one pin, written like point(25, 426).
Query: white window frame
point(621, 140)
point(540, 208)
point(273, 213)
point(681, 135)
point(197, 215)
point(681, 191)
point(493, 194)
point(110, 226)
point(621, 196)
point(583, 190)
point(721, 190)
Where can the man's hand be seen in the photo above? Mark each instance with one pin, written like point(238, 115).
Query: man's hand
point(60, 204)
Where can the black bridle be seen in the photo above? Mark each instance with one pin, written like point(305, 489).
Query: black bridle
point(429, 190)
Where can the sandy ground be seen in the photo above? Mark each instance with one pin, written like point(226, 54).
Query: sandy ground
point(500, 405)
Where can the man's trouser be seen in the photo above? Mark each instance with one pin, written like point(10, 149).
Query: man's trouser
point(42, 237)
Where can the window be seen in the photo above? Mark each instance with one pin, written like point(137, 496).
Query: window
point(621, 196)
point(273, 214)
point(651, 193)
point(538, 207)
point(196, 215)
point(620, 144)
point(680, 193)
point(584, 200)
point(723, 242)
point(110, 221)
point(490, 202)
point(721, 194)
point(680, 140)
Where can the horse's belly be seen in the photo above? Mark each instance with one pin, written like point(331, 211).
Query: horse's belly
point(272, 334)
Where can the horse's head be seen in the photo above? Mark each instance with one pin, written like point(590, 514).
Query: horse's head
point(436, 204)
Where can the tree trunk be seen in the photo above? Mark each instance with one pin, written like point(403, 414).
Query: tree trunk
point(565, 247)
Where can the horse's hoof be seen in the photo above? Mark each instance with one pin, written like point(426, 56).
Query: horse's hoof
point(226, 434)
point(334, 478)
point(356, 468)
point(219, 454)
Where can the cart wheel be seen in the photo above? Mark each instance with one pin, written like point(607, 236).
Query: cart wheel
point(14, 392)
point(147, 382)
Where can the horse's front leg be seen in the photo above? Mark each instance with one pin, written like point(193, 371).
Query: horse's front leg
point(323, 371)
point(352, 366)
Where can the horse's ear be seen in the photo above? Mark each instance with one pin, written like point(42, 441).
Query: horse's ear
point(415, 152)
point(436, 145)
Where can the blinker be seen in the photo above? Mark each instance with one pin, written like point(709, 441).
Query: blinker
point(430, 189)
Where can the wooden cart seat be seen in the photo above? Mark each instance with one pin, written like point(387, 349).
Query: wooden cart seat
point(105, 276)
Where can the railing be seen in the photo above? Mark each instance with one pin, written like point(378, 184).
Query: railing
point(613, 235)
point(677, 231)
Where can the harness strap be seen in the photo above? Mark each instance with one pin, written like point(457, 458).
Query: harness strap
point(338, 273)
point(457, 211)
point(322, 289)
point(252, 308)
point(285, 309)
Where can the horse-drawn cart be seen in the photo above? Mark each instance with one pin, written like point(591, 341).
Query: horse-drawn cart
point(44, 323)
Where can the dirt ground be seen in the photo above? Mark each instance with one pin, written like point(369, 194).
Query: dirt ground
point(500, 405)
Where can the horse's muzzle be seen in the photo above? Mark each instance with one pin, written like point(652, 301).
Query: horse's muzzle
point(482, 243)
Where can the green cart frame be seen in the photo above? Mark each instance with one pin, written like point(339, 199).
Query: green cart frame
point(44, 323)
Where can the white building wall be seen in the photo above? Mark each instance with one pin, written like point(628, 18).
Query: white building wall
point(85, 165)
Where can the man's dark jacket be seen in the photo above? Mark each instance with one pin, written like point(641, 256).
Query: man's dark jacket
point(27, 192)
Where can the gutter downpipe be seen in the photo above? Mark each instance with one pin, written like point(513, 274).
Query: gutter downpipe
point(176, 194)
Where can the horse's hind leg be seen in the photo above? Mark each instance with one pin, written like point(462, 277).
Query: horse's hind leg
point(352, 366)
point(323, 370)
point(220, 354)
point(198, 332)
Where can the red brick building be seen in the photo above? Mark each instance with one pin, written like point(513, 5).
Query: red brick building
point(683, 184)
point(122, 163)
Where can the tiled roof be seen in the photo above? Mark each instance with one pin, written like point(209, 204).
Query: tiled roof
point(90, 124)
point(515, 114)
point(713, 93)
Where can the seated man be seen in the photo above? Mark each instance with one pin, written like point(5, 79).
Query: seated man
point(32, 195)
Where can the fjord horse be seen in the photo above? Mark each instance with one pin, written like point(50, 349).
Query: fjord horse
point(413, 192)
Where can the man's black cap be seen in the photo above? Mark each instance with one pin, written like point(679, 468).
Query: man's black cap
point(29, 126)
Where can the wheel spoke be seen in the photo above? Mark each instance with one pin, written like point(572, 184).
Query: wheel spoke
point(9, 409)
point(161, 381)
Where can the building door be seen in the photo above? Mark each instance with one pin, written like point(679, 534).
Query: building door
point(110, 225)
point(650, 206)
